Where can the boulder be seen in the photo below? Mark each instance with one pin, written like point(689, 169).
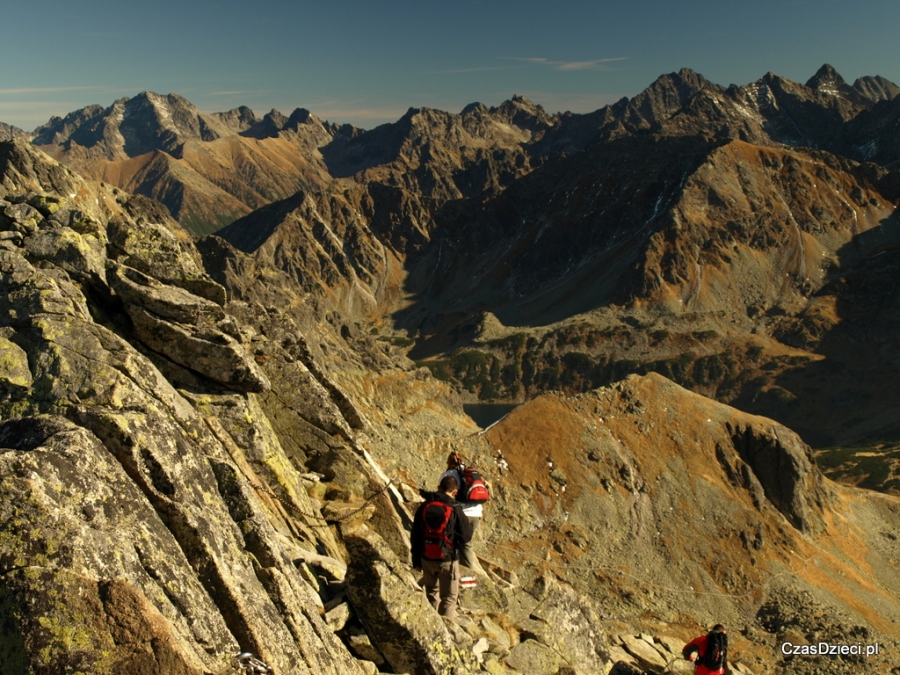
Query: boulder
point(153, 249)
point(172, 303)
point(28, 292)
point(46, 204)
point(646, 654)
point(15, 375)
point(81, 522)
point(81, 255)
point(208, 351)
point(362, 646)
point(625, 668)
point(671, 644)
point(20, 217)
point(535, 658)
point(567, 623)
point(338, 617)
point(401, 623)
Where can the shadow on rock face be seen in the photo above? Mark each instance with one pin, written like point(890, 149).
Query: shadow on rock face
point(27, 434)
point(396, 615)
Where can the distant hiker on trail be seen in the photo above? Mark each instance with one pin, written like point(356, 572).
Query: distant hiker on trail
point(472, 505)
point(440, 530)
point(709, 652)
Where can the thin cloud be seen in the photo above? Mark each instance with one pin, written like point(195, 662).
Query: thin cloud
point(596, 64)
point(470, 70)
point(241, 92)
point(18, 91)
point(593, 64)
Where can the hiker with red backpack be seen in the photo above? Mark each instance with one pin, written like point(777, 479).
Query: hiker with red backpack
point(473, 493)
point(440, 530)
point(709, 652)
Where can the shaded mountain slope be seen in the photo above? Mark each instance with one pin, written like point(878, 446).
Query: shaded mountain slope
point(726, 240)
point(702, 227)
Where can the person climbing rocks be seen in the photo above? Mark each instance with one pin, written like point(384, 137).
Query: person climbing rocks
point(474, 511)
point(709, 652)
point(440, 530)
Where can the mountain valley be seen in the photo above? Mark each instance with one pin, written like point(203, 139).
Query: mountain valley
point(234, 348)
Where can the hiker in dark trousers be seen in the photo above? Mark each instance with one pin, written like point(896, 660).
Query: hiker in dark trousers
point(439, 531)
point(709, 652)
point(473, 511)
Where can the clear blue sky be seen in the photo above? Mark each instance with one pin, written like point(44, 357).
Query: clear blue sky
point(366, 62)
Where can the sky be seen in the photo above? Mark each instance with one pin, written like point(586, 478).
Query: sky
point(367, 62)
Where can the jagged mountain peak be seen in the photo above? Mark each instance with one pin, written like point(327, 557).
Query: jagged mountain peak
point(134, 126)
point(153, 98)
point(684, 78)
point(302, 116)
point(9, 132)
point(876, 88)
point(237, 119)
point(524, 113)
point(666, 96)
point(828, 81)
point(276, 117)
point(521, 103)
point(771, 78)
point(424, 114)
point(474, 108)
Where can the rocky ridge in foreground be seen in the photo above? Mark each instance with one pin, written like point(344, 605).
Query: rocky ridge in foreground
point(189, 473)
point(155, 529)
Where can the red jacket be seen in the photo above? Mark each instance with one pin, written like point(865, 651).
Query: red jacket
point(699, 645)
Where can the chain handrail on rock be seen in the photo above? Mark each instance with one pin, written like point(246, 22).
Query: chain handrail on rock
point(345, 517)
point(246, 662)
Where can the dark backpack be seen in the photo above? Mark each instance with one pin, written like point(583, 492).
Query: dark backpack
point(438, 538)
point(473, 488)
point(716, 649)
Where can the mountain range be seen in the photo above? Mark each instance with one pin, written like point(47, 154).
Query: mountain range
point(692, 209)
point(221, 335)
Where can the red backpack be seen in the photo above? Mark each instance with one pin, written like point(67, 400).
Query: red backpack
point(473, 488)
point(438, 538)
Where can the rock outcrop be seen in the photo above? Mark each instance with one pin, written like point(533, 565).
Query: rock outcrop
point(123, 547)
point(161, 500)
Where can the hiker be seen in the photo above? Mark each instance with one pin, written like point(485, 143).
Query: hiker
point(439, 531)
point(473, 510)
point(708, 652)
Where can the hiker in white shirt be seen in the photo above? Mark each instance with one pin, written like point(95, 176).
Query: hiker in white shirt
point(473, 511)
